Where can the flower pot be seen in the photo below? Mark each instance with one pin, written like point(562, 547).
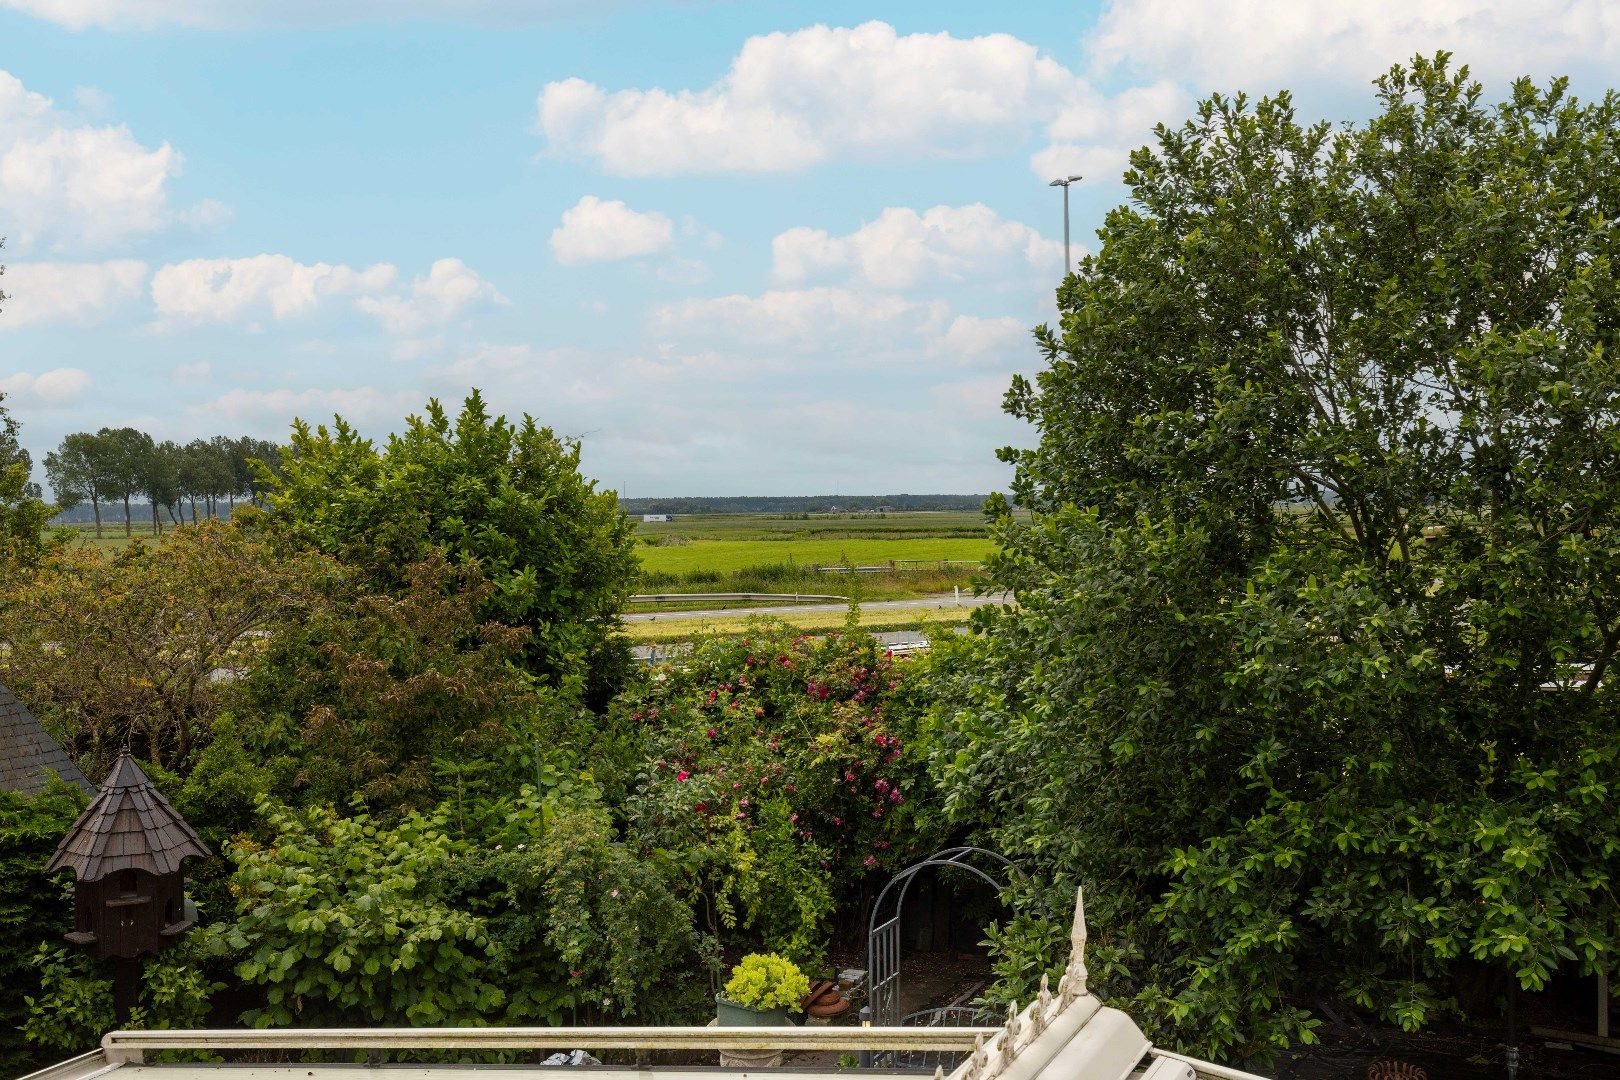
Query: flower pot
point(728, 1013)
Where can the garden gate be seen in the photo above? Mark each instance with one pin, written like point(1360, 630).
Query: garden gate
point(883, 930)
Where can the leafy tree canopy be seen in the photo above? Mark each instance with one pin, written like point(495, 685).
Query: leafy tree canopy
point(1312, 677)
point(23, 514)
point(510, 496)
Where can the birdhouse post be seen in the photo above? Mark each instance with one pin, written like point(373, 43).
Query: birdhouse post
point(129, 894)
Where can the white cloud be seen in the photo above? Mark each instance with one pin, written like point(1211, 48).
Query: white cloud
point(69, 292)
point(806, 320)
point(65, 184)
point(278, 287)
point(596, 230)
point(222, 14)
point(794, 99)
point(200, 370)
point(1269, 44)
point(275, 409)
point(903, 248)
point(972, 338)
point(47, 390)
point(450, 289)
point(223, 290)
point(1094, 134)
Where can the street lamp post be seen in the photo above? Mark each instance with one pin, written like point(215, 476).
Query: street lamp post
point(1064, 184)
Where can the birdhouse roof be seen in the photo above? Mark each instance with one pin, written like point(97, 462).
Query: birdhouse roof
point(27, 754)
point(129, 826)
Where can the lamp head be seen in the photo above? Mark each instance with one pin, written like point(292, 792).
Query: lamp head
point(1058, 183)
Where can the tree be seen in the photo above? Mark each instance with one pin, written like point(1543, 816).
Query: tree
point(76, 474)
point(559, 553)
point(364, 695)
point(125, 648)
point(160, 480)
point(250, 459)
point(1311, 680)
point(23, 514)
point(124, 460)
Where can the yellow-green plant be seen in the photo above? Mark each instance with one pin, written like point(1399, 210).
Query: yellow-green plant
point(766, 981)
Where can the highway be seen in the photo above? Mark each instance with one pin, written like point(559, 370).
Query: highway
point(925, 603)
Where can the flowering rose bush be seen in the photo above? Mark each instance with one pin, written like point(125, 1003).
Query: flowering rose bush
point(785, 771)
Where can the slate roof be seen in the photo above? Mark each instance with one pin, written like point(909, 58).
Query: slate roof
point(28, 754)
point(129, 826)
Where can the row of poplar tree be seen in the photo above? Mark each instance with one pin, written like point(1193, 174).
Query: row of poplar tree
point(114, 466)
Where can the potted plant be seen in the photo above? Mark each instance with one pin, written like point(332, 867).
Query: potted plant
point(760, 992)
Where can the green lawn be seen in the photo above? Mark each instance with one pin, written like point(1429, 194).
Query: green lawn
point(733, 555)
point(917, 523)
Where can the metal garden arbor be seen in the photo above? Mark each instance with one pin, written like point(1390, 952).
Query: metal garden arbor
point(883, 929)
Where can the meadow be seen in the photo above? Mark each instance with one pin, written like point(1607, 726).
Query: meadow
point(922, 553)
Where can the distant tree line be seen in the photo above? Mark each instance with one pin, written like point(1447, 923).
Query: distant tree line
point(115, 466)
point(799, 504)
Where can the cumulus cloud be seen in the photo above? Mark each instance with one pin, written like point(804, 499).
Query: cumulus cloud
point(223, 290)
point(279, 287)
point(903, 248)
point(970, 337)
point(596, 230)
point(1268, 44)
point(805, 320)
point(66, 184)
point(450, 289)
point(795, 99)
point(47, 390)
point(42, 292)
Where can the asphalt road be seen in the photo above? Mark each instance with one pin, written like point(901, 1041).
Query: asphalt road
point(925, 603)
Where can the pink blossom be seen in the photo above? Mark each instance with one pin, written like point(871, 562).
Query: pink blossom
point(713, 733)
point(682, 775)
point(870, 860)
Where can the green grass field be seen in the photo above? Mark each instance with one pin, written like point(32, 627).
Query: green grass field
point(919, 523)
point(733, 555)
point(932, 552)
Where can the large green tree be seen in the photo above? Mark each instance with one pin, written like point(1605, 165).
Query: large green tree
point(1311, 682)
point(558, 552)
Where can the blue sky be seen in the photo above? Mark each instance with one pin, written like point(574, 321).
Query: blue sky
point(738, 248)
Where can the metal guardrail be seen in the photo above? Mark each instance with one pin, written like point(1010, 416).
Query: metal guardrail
point(129, 1046)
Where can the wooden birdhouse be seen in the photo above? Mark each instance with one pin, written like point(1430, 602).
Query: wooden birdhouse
point(125, 851)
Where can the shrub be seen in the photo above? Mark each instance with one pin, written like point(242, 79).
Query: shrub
point(765, 981)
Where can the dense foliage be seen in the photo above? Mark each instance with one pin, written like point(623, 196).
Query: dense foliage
point(123, 647)
point(33, 909)
point(23, 514)
point(783, 773)
point(1320, 595)
point(557, 551)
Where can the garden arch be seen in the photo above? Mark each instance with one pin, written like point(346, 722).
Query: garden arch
point(883, 929)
